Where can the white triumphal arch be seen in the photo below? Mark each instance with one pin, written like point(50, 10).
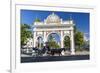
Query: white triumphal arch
point(54, 24)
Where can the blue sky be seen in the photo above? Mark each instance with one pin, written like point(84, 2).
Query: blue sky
point(81, 20)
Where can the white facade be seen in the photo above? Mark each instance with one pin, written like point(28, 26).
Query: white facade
point(54, 24)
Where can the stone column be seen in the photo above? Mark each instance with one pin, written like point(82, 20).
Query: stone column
point(72, 43)
point(62, 43)
point(34, 39)
point(44, 37)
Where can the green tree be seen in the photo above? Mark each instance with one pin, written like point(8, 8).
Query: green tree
point(79, 40)
point(37, 20)
point(25, 33)
point(52, 43)
point(66, 42)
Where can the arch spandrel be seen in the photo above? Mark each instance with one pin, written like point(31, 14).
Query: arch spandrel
point(66, 33)
point(40, 33)
point(50, 32)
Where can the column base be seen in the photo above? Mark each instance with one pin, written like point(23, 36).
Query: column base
point(72, 53)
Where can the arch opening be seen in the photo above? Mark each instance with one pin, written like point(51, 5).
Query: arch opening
point(53, 40)
point(39, 43)
point(66, 42)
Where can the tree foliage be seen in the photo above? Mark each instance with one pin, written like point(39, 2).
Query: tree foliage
point(37, 20)
point(66, 42)
point(79, 39)
point(52, 43)
point(25, 33)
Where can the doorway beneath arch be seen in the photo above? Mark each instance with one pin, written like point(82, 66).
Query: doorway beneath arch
point(39, 42)
point(66, 42)
point(53, 40)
